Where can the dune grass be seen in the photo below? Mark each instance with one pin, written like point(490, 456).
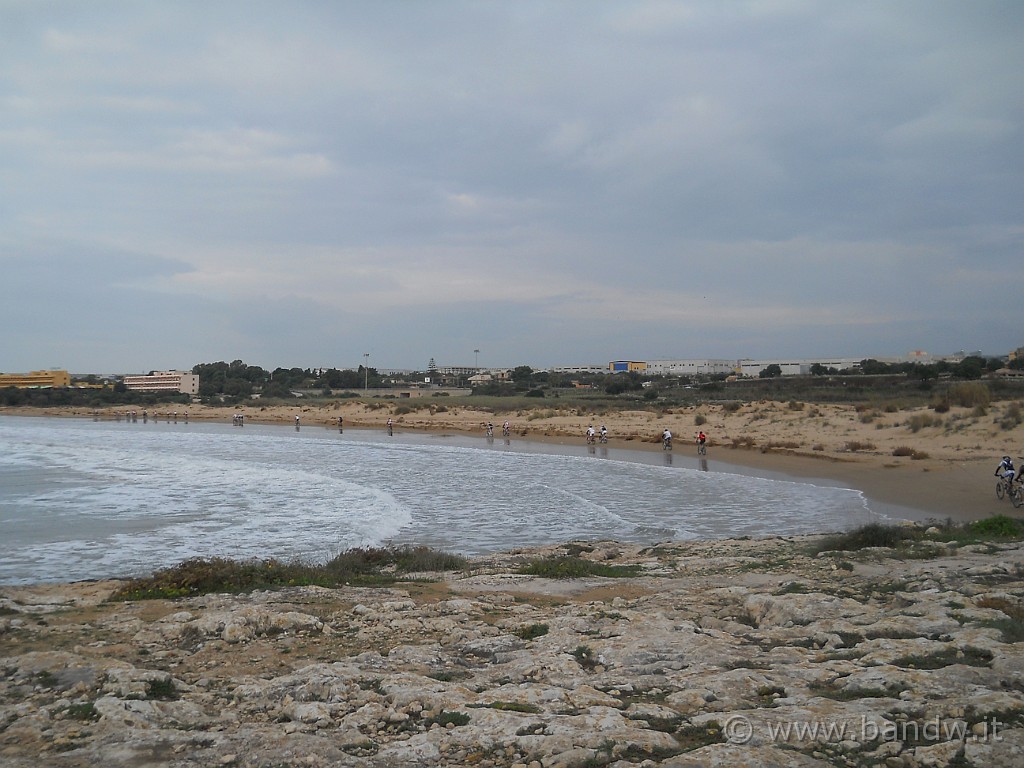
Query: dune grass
point(362, 566)
point(903, 538)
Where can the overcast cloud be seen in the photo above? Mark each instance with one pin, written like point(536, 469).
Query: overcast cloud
point(299, 183)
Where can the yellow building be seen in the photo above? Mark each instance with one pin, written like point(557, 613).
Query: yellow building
point(35, 380)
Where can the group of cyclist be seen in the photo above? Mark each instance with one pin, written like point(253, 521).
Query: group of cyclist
point(506, 429)
point(701, 440)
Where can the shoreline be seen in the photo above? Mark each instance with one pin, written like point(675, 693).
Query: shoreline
point(940, 486)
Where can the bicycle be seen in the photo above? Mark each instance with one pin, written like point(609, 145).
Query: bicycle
point(702, 448)
point(666, 443)
point(1017, 496)
point(1004, 488)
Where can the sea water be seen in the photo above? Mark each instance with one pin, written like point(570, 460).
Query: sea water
point(85, 499)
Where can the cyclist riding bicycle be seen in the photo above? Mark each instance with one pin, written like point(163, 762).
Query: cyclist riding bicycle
point(1006, 470)
point(591, 434)
point(666, 439)
point(604, 433)
point(702, 440)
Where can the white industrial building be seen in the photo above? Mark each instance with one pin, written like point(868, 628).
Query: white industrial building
point(798, 367)
point(691, 367)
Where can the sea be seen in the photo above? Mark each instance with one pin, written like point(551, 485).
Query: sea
point(90, 499)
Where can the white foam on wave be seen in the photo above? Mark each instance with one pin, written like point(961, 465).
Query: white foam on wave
point(135, 502)
point(120, 499)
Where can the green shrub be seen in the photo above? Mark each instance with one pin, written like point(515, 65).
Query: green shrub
point(999, 526)
point(531, 631)
point(571, 567)
point(585, 657)
point(443, 718)
point(870, 535)
point(1011, 627)
point(369, 565)
point(700, 420)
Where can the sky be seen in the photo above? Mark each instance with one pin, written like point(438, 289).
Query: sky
point(507, 183)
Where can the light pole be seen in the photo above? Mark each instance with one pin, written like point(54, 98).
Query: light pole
point(366, 371)
point(476, 360)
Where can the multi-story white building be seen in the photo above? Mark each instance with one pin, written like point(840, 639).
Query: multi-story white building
point(165, 381)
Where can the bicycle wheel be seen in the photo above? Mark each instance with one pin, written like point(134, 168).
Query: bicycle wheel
point(1000, 490)
point(1017, 497)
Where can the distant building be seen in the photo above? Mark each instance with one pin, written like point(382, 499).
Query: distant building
point(36, 380)
point(691, 367)
point(579, 369)
point(165, 381)
point(624, 366)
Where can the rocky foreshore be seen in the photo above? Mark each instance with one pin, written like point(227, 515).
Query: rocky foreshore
point(732, 653)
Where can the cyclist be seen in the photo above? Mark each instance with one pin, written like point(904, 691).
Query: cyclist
point(702, 440)
point(666, 439)
point(590, 434)
point(506, 429)
point(1007, 471)
point(604, 434)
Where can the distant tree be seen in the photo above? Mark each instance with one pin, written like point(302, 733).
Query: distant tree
point(278, 389)
point(970, 368)
point(923, 372)
point(872, 367)
point(237, 388)
point(522, 375)
point(772, 371)
point(817, 369)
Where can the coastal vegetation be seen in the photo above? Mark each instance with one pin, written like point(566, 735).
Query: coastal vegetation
point(381, 566)
point(361, 566)
point(903, 539)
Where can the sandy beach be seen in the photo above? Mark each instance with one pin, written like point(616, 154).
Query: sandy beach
point(914, 463)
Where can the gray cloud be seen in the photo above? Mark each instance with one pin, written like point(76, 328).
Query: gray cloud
point(552, 183)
